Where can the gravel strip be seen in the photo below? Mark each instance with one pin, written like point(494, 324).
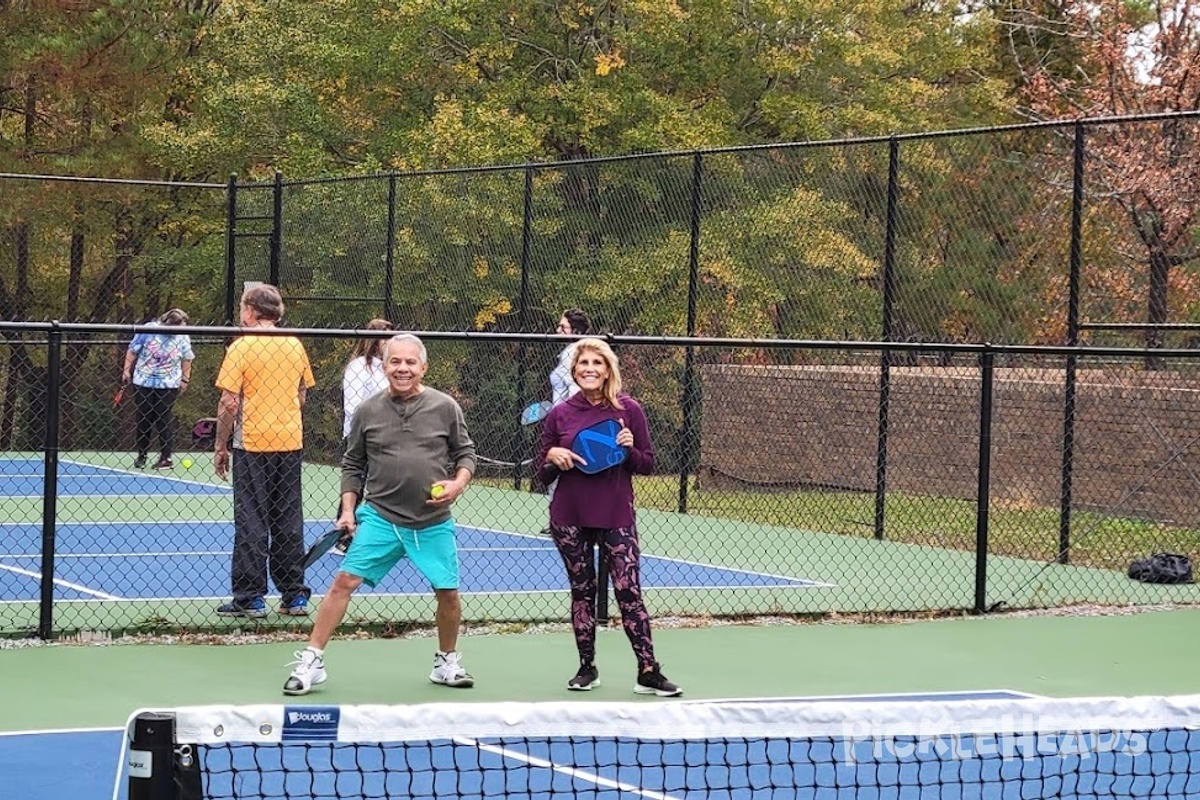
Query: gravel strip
point(103, 639)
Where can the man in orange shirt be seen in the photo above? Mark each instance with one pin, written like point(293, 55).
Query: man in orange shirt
point(263, 382)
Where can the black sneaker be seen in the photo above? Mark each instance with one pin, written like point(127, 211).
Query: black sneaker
point(586, 679)
point(139, 462)
point(164, 463)
point(653, 682)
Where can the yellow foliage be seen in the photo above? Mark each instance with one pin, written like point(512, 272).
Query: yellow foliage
point(492, 311)
point(606, 62)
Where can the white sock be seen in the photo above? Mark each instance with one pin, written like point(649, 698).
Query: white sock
point(319, 652)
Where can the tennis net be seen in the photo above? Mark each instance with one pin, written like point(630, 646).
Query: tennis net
point(831, 750)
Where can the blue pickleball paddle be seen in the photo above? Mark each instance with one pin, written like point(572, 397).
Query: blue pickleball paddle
point(597, 444)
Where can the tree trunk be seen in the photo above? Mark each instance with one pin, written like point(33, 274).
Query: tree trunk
point(1156, 311)
point(13, 306)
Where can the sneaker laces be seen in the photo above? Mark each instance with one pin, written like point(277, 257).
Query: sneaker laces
point(449, 663)
point(653, 676)
point(305, 660)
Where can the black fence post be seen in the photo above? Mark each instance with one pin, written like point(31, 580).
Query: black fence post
point(276, 239)
point(518, 442)
point(885, 361)
point(389, 257)
point(688, 429)
point(1069, 387)
point(50, 479)
point(231, 297)
point(987, 365)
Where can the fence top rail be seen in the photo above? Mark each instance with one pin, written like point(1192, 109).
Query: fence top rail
point(665, 154)
point(808, 144)
point(24, 176)
point(1085, 121)
point(227, 332)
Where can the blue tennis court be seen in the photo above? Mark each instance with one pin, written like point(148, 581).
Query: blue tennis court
point(24, 477)
point(131, 560)
point(179, 558)
point(145, 560)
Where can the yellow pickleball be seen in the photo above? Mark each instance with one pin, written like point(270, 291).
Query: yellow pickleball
point(187, 463)
point(436, 491)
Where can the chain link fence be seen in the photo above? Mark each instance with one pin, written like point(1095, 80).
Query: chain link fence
point(808, 479)
point(1059, 233)
point(802, 468)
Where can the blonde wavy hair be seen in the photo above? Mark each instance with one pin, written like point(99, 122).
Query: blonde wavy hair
point(612, 384)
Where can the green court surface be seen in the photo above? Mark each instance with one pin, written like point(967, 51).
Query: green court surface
point(848, 574)
point(1149, 653)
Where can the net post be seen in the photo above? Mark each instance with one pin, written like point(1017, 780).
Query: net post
point(151, 757)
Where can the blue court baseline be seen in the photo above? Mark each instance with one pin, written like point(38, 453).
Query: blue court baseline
point(173, 560)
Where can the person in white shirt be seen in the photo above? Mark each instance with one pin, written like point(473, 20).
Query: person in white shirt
point(562, 385)
point(364, 373)
point(363, 377)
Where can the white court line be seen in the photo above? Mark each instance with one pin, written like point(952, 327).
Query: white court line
point(52, 731)
point(59, 582)
point(107, 476)
point(157, 497)
point(793, 581)
point(420, 595)
point(157, 553)
point(701, 564)
point(926, 697)
point(572, 772)
point(85, 523)
point(100, 470)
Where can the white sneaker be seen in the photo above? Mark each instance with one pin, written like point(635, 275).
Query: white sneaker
point(449, 672)
point(308, 671)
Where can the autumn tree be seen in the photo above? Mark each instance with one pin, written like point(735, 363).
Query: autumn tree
point(79, 82)
point(1082, 59)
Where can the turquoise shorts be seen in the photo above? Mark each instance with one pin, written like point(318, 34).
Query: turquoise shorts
point(378, 545)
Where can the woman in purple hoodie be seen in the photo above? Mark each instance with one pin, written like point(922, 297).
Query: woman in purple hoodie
point(590, 509)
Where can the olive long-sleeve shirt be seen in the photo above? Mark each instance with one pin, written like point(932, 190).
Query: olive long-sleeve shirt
point(398, 448)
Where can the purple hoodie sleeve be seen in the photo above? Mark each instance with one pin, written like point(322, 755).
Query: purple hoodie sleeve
point(547, 472)
point(641, 455)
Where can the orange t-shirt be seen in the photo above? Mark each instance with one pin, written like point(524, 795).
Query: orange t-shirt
point(267, 372)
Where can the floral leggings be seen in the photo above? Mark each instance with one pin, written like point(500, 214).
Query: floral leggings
point(619, 547)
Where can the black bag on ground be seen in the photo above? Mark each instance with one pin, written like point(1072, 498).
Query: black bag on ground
point(1162, 568)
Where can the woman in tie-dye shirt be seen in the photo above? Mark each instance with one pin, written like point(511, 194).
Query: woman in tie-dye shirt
point(159, 365)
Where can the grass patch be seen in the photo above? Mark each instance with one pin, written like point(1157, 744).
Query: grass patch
point(1019, 530)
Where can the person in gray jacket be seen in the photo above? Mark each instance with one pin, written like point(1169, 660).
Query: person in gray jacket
point(409, 456)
